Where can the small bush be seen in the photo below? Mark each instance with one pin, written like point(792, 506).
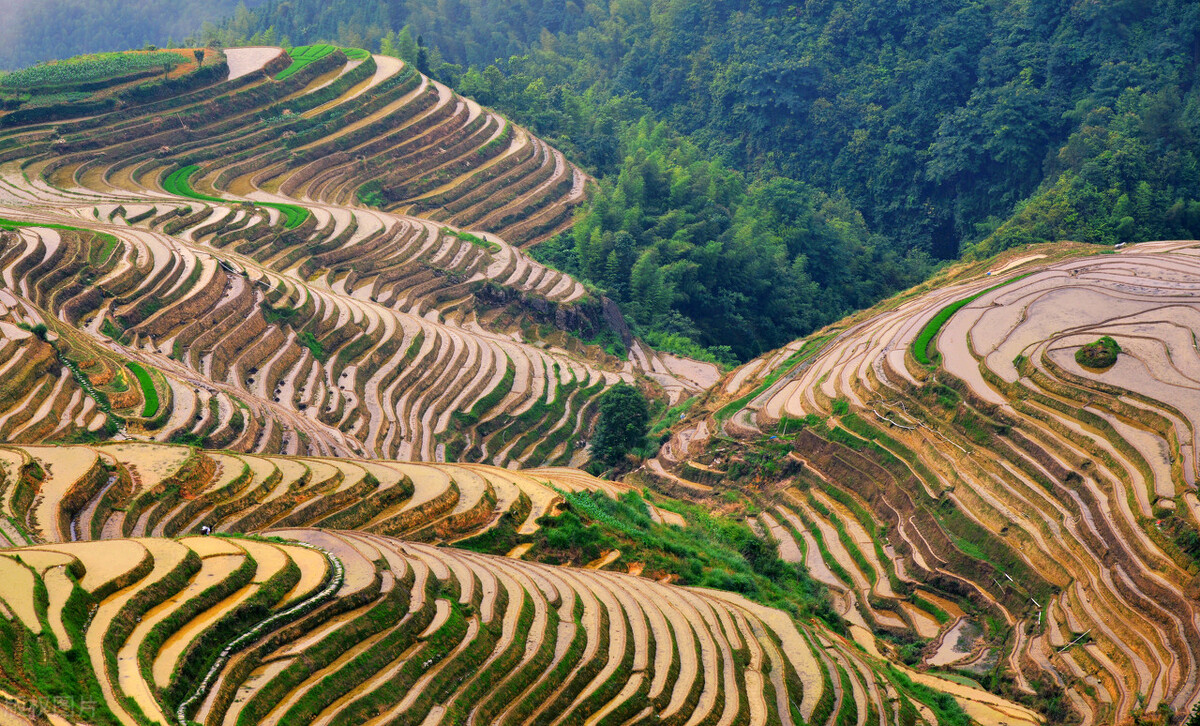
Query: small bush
point(1099, 355)
point(308, 340)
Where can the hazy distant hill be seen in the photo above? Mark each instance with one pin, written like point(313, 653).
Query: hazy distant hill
point(32, 31)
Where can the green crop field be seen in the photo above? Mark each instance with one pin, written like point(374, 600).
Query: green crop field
point(88, 68)
point(177, 183)
point(148, 392)
point(924, 348)
point(304, 55)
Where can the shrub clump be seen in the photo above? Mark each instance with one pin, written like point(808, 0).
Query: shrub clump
point(624, 421)
point(1099, 355)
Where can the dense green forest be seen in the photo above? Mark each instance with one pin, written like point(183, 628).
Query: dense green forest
point(764, 167)
point(32, 31)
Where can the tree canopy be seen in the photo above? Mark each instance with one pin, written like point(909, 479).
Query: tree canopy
point(765, 167)
point(623, 423)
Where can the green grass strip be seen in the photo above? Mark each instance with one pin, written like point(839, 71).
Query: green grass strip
point(177, 183)
point(468, 237)
point(148, 390)
point(923, 348)
point(493, 397)
point(848, 543)
point(302, 56)
point(806, 352)
point(305, 55)
point(109, 241)
point(293, 214)
point(938, 614)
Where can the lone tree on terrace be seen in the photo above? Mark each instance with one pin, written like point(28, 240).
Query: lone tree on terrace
point(199, 53)
point(624, 421)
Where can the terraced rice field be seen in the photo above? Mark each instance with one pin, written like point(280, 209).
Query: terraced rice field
point(309, 269)
point(75, 493)
point(280, 265)
point(403, 630)
point(321, 613)
point(1001, 475)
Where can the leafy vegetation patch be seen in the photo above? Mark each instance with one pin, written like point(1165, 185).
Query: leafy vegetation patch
point(473, 239)
point(308, 340)
point(1098, 355)
point(177, 183)
point(713, 550)
point(924, 349)
point(722, 355)
point(88, 68)
point(149, 394)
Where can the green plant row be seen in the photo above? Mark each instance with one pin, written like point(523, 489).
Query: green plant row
point(177, 183)
point(188, 610)
point(199, 656)
point(834, 566)
point(493, 397)
point(938, 614)
point(304, 55)
point(131, 612)
point(149, 394)
point(867, 521)
point(70, 73)
point(551, 414)
point(807, 351)
point(337, 577)
point(14, 224)
point(923, 347)
point(58, 672)
point(386, 617)
point(965, 534)
point(847, 541)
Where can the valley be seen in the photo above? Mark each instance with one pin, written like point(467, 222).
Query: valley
point(295, 429)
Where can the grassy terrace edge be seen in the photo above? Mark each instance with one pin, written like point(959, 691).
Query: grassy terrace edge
point(10, 224)
point(306, 54)
point(924, 342)
point(148, 393)
point(810, 348)
point(177, 183)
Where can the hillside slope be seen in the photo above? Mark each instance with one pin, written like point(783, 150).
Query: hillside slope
point(202, 253)
point(306, 625)
point(969, 466)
